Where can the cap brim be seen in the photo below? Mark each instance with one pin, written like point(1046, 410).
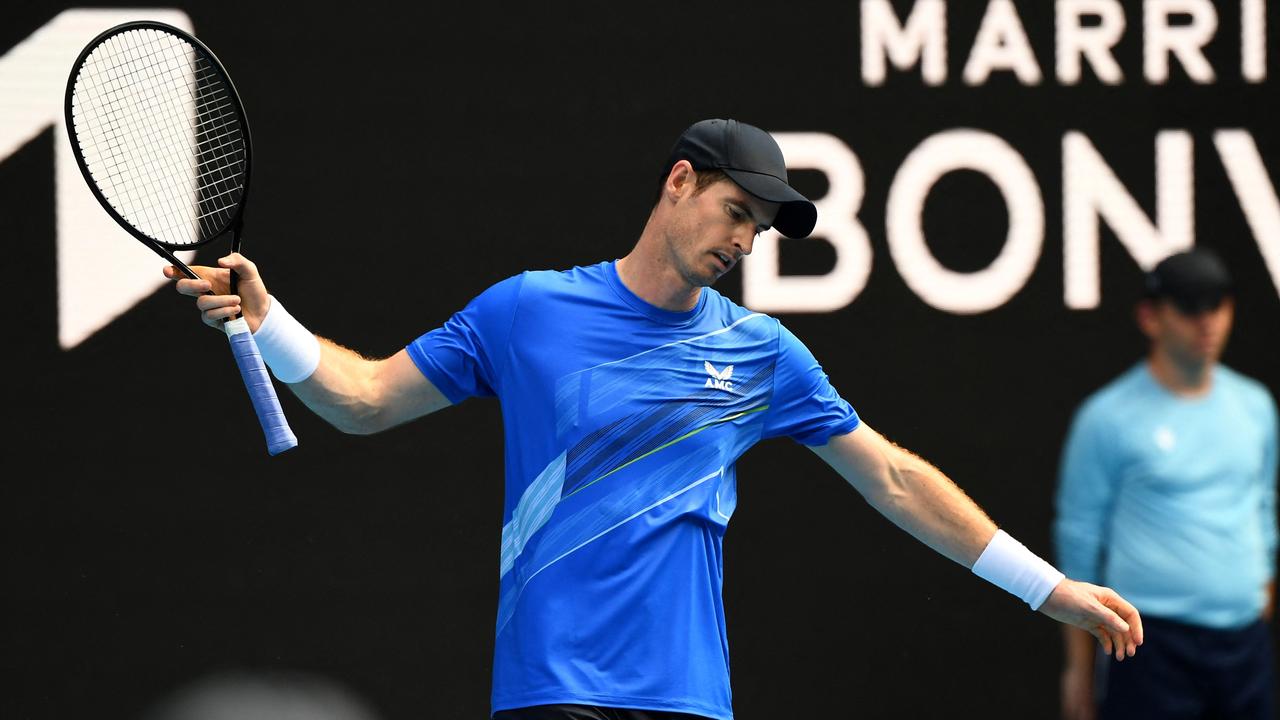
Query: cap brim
point(796, 215)
point(1196, 303)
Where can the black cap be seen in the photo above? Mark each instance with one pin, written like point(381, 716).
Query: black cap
point(753, 160)
point(1195, 280)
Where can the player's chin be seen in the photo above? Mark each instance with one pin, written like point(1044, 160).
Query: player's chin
point(1206, 353)
point(717, 268)
point(711, 276)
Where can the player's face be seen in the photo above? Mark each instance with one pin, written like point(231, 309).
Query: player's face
point(714, 229)
point(1189, 339)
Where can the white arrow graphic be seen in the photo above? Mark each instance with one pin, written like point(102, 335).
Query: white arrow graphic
point(102, 270)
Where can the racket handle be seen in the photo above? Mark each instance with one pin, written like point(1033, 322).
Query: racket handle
point(261, 391)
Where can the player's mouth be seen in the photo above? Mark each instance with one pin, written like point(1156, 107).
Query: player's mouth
point(725, 259)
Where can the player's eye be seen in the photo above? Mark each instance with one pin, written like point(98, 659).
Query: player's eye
point(734, 213)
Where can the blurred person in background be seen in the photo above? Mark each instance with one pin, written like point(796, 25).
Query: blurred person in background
point(1167, 494)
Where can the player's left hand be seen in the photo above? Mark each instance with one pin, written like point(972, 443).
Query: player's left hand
point(1100, 612)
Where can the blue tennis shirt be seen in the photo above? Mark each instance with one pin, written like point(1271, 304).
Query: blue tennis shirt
point(1170, 500)
point(622, 424)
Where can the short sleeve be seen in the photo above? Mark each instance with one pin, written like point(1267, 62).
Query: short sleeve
point(804, 407)
point(465, 357)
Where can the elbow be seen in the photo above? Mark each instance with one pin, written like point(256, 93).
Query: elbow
point(354, 428)
point(364, 406)
point(358, 417)
point(368, 422)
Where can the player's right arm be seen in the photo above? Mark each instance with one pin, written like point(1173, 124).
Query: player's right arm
point(355, 394)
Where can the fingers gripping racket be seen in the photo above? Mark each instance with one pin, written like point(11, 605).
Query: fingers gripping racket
point(162, 140)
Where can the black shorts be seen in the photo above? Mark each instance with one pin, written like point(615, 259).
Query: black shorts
point(1186, 672)
point(589, 712)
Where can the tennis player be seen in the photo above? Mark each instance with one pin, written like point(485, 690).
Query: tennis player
point(629, 390)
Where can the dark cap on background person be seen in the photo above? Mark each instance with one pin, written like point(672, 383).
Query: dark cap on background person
point(1195, 281)
point(753, 160)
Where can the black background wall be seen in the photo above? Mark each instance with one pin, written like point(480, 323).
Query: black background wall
point(407, 157)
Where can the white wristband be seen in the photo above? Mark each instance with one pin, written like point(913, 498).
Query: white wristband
point(1008, 564)
point(288, 348)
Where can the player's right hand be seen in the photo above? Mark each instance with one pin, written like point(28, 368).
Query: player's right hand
point(251, 298)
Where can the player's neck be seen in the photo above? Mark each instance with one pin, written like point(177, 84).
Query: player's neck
point(1180, 378)
point(650, 275)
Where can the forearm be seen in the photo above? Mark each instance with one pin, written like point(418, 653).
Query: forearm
point(912, 493)
point(362, 396)
point(1076, 684)
point(922, 500)
point(353, 393)
point(1268, 609)
point(343, 390)
point(1078, 650)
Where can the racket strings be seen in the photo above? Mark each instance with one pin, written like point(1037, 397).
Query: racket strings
point(141, 122)
point(161, 135)
point(139, 76)
point(124, 156)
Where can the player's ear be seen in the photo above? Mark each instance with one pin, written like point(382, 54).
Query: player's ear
point(680, 180)
point(1145, 315)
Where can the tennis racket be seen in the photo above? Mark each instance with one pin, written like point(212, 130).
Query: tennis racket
point(162, 140)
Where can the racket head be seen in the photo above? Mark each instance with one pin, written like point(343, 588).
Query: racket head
point(159, 134)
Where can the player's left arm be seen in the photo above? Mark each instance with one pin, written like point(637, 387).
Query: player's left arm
point(920, 499)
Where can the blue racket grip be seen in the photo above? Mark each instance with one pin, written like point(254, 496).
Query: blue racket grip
point(258, 382)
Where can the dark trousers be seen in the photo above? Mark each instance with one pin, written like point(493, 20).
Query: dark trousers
point(1186, 671)
point(588, 712)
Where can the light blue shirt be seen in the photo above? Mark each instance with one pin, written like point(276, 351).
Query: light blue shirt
point(1170, 500)
point(623, 424)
